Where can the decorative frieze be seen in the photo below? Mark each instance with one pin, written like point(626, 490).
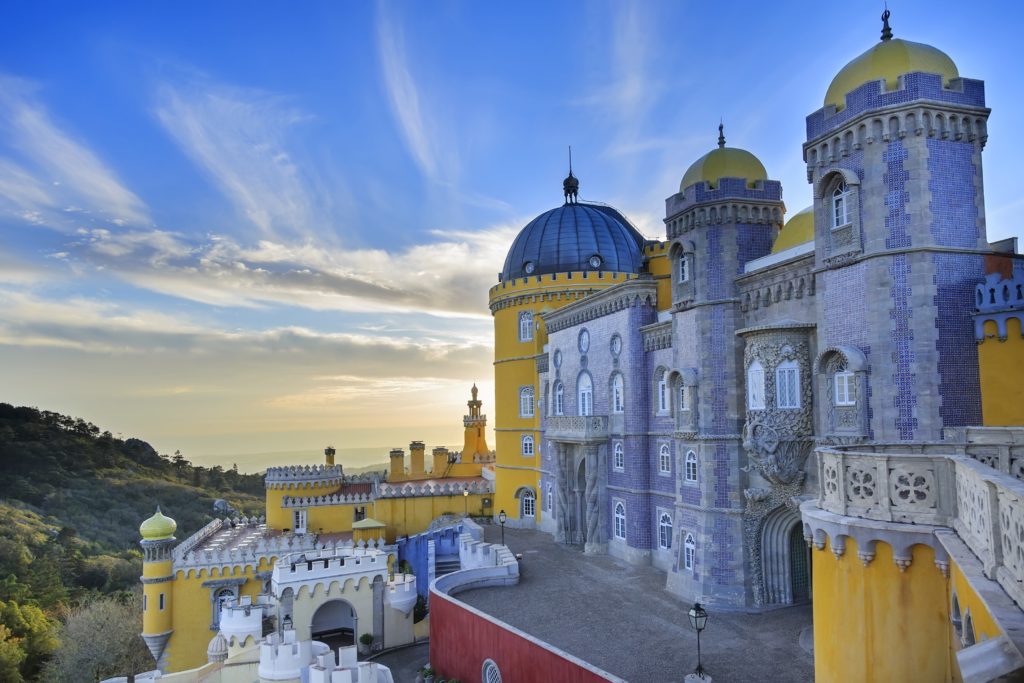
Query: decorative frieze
point(657, 336)
point(638, 292)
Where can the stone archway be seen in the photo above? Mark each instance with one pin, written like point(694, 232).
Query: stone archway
point(334, 623)
point(784, 558)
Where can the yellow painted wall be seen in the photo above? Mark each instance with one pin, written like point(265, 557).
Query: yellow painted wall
point(985, 626)
point(155, 620)
point(515, 367)
point(192, 613)
point(280, 518)
point(660, 266)
point(1001, 364)
point(407, 516)
point(876, 623)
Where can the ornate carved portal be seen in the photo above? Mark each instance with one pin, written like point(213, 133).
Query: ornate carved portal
point(580, 494)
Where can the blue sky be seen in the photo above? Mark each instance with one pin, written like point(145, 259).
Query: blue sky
point(231, 227)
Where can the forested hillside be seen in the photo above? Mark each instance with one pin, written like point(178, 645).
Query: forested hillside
point(71, 500)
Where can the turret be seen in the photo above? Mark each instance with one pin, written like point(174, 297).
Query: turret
point(157, 580)
point(475, 423)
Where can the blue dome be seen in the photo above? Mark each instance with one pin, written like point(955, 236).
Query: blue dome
point(567, 238)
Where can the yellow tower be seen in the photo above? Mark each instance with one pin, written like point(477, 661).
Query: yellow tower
point(157, 576)
point(474, 446)
point(561, 256)
point(1000, 335)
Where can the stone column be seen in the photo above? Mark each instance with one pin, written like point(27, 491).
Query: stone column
point(562, 486)
point(593, 539)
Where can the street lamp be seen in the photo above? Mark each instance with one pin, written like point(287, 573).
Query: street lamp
point(501, 520)
point(465, 498)
point(698, 620)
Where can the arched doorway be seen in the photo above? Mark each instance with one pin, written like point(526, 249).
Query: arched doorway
point(799, 565)
point(785, 558)
point(334, 623)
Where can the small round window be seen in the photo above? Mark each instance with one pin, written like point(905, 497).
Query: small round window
point(595, 261)
point(529, 267)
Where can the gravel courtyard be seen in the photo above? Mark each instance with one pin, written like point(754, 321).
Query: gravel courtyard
point(619, 617)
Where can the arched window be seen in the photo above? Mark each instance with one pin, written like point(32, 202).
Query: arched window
point(490, 672)
point(665, 459)
point(684, 269)
point(845, 387)
point(526, 326)
point(526, 402)
point(840, 205)
point(585, 390)
point(618, 456)
point(527, 444)
point(787, 385)
point(665, 531)
point(527, 504)
point(691, 466)
point(663, 391)
point(755, 386)
point(559, 399)
point(684, 404)
point(958, 624)
point(689, 551)
point(618, 400)
point(968, 638)
point(620, 521)
point(220, 598)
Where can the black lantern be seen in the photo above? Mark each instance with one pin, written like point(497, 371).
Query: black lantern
point(465, 498)
point(699, 621)
point(501, 520)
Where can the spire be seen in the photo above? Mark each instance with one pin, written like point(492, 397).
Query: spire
point(571, 185)
point(721, 134)
point(886, 31)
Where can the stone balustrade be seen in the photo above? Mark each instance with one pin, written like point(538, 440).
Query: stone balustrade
point(577, 428)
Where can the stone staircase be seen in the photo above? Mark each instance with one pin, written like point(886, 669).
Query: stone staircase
point(446, 564)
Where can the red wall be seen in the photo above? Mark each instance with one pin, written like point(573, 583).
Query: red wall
point(460, 641)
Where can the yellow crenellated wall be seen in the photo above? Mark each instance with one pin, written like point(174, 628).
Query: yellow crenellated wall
point(280, 518)
point(876, 623)
point(193, 614)
point(1002, 375)
point(660, 267)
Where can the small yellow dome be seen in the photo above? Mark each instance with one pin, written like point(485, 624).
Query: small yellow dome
point(724, 162)
point(798, 230)
point(888, 60)
point(157, 527)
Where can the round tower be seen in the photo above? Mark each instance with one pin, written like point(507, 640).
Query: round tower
point(561, 256)
point(157, 576)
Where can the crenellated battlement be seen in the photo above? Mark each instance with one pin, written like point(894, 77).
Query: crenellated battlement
point(323, 566)
point(298, 475)
point(454, 488)
point(333, 499)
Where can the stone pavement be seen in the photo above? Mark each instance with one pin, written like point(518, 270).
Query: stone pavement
point(620, 618)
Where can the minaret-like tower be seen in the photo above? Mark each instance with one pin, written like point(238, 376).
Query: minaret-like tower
point(157, 581)
point(475, 442)
point(894, 158)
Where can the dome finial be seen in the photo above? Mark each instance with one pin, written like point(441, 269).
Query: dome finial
point(721, 134)
point(886, 31)
point(571, 184)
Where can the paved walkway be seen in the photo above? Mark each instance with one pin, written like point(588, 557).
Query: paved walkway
point(619, 618)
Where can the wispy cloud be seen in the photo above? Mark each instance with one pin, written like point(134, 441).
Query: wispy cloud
point(239, 138)
point(53, 174)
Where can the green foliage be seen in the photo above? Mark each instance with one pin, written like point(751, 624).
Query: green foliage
point(366, 638)
point(36, 634)
point(11, 656)
point(420, 610)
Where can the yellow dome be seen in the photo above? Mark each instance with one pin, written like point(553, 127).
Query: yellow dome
point(158, 527)
point(798, 230)
point(889, 59)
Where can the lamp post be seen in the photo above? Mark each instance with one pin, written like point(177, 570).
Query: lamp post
point(501, 520)
point(698, 620)
point(465, 498)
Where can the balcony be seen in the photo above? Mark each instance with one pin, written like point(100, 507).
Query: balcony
point(577, 428)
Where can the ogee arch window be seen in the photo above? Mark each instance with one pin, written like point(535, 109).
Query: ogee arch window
point(526, 326)
point(618, 456)
point(620, 521)
point(787, 385)
point(689, 551)
point(585, 391)
point(526, 402)
point(665, 531)
point(840, 205)
point(618, 391)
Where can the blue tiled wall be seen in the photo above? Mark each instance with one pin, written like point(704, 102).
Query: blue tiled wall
point(955, 278)
point(902, 338)
point(953, 195)
point(895, 178)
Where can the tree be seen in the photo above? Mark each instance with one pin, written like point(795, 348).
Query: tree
point(11, 656)
point(35, 635)
point(100, 640)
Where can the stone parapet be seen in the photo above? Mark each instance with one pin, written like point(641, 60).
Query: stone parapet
point(312, 567)
point(452, 488)
point(319, 501)
point(299, 475)
point(577, 428)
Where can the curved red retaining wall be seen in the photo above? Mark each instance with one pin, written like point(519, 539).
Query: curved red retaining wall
point(461, 638)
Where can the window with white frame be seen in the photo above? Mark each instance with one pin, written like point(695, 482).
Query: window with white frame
point(689, 551)
point(787, 385)
point(684, 269)
point(618, 456)
point(585, 394)
point(663, 392)
point(664, 459)
point(559, 399)
point(526, 402)
point(618, 400)
point(840, 205)
point(755, 386)
point(527, 444)
point(620, 521)
point(664, 531)
point(526, 326)
point(528, 504)
point(491, 674)
point(845, 391)
point(683, 403)
point(691, 466)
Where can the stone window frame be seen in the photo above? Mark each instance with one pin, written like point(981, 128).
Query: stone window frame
point(690, 465)
point(689, 552)
point(839, 198)
point(684, 390)
point(664, 514)
point(849, 386)
point(528, 446)
point(558, 405)
point(662, 392)
point(682, 257)
point(758, 380)
point(664, 456)
point(617, 393)
point(845, 238)
point(618, 504)
point(618, 457)
point(526, 326)
point(838, 419)
point(527, 391)
point(584, 409)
